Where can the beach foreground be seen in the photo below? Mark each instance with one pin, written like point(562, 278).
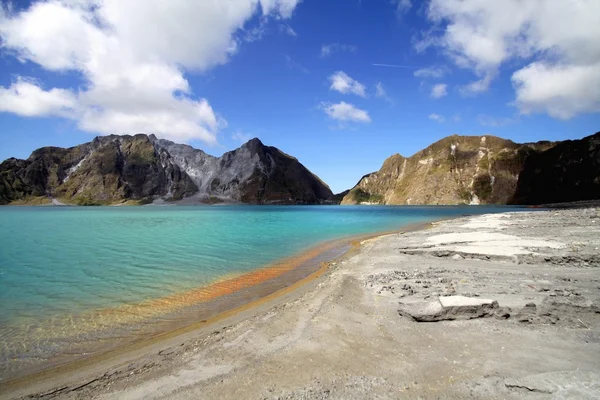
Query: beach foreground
point(354, 331)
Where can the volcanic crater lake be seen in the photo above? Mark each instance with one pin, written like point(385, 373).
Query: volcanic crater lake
point(78, 280)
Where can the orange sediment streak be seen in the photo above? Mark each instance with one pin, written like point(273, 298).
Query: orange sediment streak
point(138, 312)
point(228, 286)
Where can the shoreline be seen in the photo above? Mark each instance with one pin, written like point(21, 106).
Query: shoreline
point(36, 380)
point(346, 333)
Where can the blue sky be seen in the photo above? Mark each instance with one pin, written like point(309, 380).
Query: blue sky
point(304, 76)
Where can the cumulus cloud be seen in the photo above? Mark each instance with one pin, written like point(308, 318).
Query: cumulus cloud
point(438, 91)
point(341, 82)
point(133, 63)
point(562, 91)
point(27, 99)
point(345, 112)
point(331, 48)
point(557, 40)
point(437, 118)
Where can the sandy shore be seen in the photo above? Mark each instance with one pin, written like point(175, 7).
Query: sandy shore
point(346, 334)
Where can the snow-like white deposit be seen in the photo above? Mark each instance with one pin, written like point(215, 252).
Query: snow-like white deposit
point(489, 221)
point(453, 148)
point(74, 168)
point(489, 243)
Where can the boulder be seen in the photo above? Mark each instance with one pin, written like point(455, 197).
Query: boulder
point(449, 308)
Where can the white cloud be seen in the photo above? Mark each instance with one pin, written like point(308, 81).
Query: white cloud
point(341, 82)
point(555, 38)
point(241, 137)
point(345, 112)
point(329, 49)
point(280, 8)
point(437, 118)
point(438, 91)
point(561, 91)
point(26, 98)
point(431, 72)
point(132, 56)
point(478, 86)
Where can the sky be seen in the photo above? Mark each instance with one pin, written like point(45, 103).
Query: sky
point(339, 84)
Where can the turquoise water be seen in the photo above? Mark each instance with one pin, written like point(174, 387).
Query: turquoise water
point(60, 262)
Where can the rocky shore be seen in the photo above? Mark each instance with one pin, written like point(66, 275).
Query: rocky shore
point(500, 306)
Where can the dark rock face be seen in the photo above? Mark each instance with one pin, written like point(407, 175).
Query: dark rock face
point(569, 171)
point(111, 169)
point(281, 179)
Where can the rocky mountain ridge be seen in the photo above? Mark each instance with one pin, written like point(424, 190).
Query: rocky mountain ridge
point(140, 169)
point(485, 170)
point(454, 170)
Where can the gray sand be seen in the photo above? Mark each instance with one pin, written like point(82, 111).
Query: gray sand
point(346, 336)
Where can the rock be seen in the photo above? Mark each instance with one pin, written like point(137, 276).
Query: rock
point(502, 313)
point(112, 169)
point(566, 172)
point(454, 170)
point(464, 169)
point(449, 308)
point(528, 314)
point(561, 384)
point(429, 311)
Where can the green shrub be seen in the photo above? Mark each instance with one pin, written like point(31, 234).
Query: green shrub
point(362, 196)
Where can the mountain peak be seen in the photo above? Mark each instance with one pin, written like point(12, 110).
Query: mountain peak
point(254, 142)
point(253, 145)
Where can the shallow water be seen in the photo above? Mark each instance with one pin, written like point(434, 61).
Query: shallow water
point(73, 279)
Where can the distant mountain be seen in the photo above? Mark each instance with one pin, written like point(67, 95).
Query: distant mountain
point(141, 169)
point(485, 170)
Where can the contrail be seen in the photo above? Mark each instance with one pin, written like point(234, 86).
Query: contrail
point(393, 66)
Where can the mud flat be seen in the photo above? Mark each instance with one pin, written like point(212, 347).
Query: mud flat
point(511, 303)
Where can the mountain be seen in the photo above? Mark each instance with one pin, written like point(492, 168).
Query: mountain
point(254, 173)
point(140, 169)
point(569, 171)
point(454, 170)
